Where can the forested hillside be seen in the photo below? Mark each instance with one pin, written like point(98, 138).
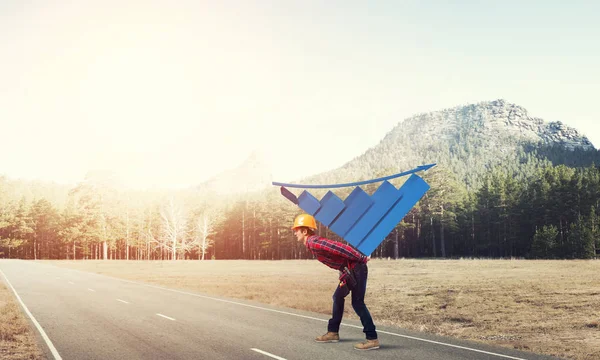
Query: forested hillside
point(505, 185)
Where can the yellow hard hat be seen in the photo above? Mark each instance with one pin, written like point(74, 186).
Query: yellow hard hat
point(305, 220)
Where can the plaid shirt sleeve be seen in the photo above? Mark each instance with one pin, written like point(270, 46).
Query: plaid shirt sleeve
point(329, 248)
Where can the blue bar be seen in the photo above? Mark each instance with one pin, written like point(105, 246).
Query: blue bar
point(412, 191)
point(308, 202)
point(384, 199)
point(331, 206)
point(289, 195)
point(357, 203)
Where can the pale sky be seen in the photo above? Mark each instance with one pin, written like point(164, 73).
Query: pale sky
point(133, 86)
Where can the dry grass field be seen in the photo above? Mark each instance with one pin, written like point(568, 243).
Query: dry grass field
point(17, 340)
point(548, 307)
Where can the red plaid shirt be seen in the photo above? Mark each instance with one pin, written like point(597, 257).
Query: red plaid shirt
point(334, 254)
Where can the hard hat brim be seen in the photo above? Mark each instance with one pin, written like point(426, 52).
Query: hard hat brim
point(308, 227)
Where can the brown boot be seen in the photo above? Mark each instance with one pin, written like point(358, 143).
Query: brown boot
point(329, 337)
point(368, 345)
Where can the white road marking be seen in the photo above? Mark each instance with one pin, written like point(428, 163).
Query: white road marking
point(92, 290)
point(166, 317)
point(268, 354)
point(123, 301)
point(58, 277)
point(298, 315)
point(72, 283)
point(37, 325)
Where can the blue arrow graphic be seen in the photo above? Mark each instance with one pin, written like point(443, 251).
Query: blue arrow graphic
point(363, 221)
point(417, 169)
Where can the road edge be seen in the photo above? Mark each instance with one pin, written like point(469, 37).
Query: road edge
point(39, 328)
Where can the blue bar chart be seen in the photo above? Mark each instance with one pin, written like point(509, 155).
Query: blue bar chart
point(361, 219)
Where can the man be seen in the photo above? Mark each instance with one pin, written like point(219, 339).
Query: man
point(338, 256)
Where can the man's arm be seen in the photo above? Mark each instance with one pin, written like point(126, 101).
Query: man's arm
point(337, 248)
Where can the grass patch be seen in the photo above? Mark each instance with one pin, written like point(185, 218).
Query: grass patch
point(547, 307)
point(17, 340)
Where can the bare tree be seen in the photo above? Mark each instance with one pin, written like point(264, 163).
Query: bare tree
point(173, 227)
point(152, 243)
point(205, 228)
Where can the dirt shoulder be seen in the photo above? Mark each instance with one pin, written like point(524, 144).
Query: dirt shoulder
point(17, 337)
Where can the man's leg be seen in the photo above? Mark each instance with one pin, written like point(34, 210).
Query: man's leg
point(333, 327)
point(338, 309)
point(358, 301)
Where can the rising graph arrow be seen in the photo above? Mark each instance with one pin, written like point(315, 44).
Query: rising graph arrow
point(304, 186)
point(362, 220)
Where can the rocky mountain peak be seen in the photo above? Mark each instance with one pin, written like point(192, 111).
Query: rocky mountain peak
point(495, 118)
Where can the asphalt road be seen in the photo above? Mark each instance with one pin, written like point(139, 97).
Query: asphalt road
point(81, 315)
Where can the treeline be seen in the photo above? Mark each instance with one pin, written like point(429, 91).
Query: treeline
point(95, 221)
point(553, 213)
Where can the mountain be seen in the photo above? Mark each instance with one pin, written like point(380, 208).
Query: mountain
point(469, 141)
point(255, 171)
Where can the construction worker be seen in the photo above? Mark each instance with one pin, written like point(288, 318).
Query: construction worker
point(339, 256)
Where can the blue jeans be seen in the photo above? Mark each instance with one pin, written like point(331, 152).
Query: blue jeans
point(361, 273)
